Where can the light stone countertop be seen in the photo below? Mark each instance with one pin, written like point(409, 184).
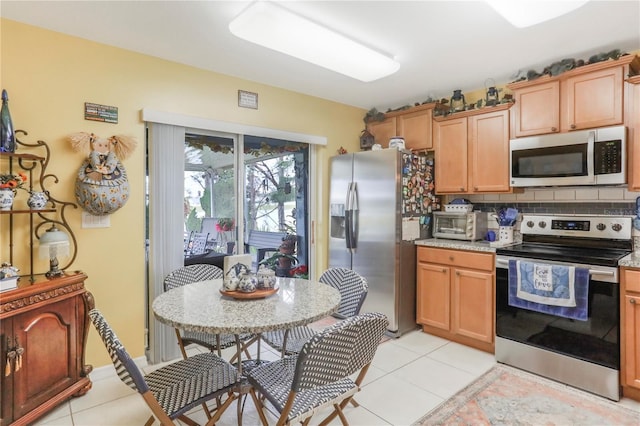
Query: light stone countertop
point(200, 307)
point(457, 244)
point(631, 261)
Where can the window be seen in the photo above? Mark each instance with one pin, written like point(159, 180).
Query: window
point(274, 190)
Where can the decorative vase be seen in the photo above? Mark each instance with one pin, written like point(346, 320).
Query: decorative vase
point(6, 199)
point(7, 134)
point(37, 200)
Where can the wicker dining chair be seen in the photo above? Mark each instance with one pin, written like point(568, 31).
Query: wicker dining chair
point(174, 389)
point(319, 376)
point(353, 290)
point(214, 342)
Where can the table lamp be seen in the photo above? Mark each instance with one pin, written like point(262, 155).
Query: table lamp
point(53, 243)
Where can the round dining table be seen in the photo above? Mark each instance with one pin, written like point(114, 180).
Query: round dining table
point(201, 307)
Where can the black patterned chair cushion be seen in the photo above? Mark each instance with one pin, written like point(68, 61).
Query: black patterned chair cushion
point(320, 373)
point(353, 290)
point(177, 387)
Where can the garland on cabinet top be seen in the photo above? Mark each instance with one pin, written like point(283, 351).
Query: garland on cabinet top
point(101, 184)
point(554, 69)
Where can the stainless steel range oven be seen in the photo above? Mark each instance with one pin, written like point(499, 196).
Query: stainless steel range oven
point(557, 300)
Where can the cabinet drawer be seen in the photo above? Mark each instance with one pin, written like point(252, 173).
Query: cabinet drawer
point(471, 260)
point(632, 280)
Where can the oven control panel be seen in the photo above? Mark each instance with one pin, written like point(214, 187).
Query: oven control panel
point(614, 227)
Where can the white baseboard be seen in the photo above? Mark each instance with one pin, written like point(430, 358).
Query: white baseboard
point(107, 371)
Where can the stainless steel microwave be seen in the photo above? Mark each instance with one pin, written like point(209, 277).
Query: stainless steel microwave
point(586, 157)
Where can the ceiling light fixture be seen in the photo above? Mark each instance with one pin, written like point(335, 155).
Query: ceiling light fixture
point(525, 13)
point(274, 27)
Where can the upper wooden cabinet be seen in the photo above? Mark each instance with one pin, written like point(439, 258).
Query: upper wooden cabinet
point(413, 124)
point(583, 98)
point(537, 109)
point(489, 150)
point(632, 113)
point(472, 151)
point(450, 140)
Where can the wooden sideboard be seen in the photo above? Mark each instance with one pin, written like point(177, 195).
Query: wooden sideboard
point(43, 333)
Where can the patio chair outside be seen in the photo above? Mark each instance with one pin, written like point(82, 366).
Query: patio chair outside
point(198, 243)
point(318, 377)
point(214, 342)
point(353, 290)
point(173, 390)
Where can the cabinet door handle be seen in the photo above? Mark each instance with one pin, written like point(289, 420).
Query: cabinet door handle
point(19, 352)
point(554, 129)
point(573, 126)
point(632, 301)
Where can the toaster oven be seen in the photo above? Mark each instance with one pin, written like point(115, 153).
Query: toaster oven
point(471, 226)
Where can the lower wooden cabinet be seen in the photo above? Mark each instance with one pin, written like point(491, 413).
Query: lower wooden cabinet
point(630, 333)
point(43, 332)
point(455, 298)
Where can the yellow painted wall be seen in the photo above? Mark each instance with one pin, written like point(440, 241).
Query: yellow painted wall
point(49, 76)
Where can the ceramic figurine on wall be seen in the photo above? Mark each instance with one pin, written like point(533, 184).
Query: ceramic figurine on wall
point(102, 186)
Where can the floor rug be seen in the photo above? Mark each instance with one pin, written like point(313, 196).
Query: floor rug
point(508, 396)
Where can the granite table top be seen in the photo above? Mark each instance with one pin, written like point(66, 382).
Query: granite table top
point(200, 307)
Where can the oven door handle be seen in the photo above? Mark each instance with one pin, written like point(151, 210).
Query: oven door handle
point(591, 271)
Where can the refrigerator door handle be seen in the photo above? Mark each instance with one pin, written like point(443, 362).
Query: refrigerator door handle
point(354, 217)
point(348, 217)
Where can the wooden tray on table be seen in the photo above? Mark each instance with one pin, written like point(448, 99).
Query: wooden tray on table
point(258, 294)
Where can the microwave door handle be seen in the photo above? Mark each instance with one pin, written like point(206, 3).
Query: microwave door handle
point(590, 152)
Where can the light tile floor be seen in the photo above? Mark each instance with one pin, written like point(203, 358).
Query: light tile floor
point(409, 376)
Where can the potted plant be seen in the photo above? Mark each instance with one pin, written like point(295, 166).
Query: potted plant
point(282, 260)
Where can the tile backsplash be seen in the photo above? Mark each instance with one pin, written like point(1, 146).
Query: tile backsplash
point(564, 200)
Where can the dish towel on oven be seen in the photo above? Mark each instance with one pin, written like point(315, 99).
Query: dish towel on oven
point(551, 289)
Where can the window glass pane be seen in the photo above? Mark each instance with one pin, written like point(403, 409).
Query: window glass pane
point(276, 182)
point(209, 199)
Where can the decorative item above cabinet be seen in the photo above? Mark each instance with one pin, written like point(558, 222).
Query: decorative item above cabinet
point(586, 97)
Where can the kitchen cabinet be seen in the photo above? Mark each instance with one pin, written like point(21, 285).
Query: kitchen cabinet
point(413, 124)
point(630, 332)
point(583, 98)
point(455, 295)
point(472, 151)
point(632, 113)
point(537, 109)
point(43, 331)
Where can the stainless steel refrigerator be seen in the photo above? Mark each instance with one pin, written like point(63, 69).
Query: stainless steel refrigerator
point(380, 202)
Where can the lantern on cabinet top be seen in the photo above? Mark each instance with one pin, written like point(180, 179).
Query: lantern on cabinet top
point(457, 102)
point(366, 139)
point(492, 98)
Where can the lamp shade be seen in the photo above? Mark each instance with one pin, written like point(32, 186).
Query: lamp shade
point(53, 243)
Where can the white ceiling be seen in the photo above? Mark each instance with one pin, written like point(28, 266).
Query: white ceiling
point(441, 45)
